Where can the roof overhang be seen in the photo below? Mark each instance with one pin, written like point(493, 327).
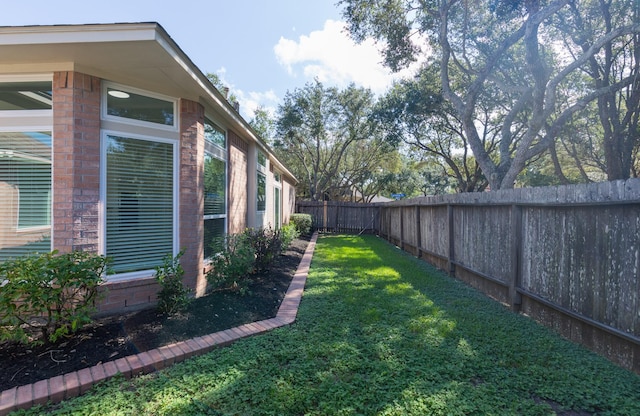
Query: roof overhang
point(137, 54)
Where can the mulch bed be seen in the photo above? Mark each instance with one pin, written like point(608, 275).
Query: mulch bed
point(110, 338)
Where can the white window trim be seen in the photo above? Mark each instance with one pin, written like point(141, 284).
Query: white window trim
point(103, 197)
point(266, 187)
point(19, 128)
point(220, 153)
point(17, 121)
point(27, 114)
point(104, 109)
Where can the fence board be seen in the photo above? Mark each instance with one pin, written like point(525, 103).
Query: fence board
point(568, 256)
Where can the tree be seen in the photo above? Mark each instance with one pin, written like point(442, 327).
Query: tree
point(328, 138)
point(220, 86)
point(614, 70)
point(263, 124)
point(415, 113)
point(504, 52)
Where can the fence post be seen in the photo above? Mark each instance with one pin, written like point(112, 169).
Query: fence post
point(451, 257)
point(516, 252)
point(401, 228)
point(324, 217)
point(418, 233)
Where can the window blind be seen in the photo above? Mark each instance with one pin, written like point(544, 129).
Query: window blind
point(139, 203)
point(25, 193)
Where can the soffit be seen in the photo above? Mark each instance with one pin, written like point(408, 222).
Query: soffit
point(138, 54)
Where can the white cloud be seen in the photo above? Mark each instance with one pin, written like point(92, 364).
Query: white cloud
point(332, 57)
point(250, 101)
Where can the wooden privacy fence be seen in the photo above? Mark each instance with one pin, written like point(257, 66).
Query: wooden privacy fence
point(342, 217)
point(566, 256)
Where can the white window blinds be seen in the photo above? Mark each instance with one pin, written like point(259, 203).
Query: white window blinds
point(25, 193)
point(139, 202)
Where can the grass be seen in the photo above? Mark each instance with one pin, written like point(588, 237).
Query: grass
point(379, 332)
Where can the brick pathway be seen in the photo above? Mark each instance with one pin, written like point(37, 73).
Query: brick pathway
point(76, 383)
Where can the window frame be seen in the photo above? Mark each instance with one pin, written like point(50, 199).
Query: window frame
point(23, 121)
point(261, 171)
point(104, 136)
point(215, 151)
point(104, 110)
point(258, 176)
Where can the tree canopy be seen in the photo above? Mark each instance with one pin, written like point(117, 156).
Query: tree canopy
point(520, 71)
point(329, 140)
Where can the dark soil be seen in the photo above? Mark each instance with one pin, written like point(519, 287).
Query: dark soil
point(109, 338)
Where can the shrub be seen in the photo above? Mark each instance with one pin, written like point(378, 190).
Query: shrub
point(288, 233)
point(231, 267)
point(48, 296)
point(302, 223)
point(266, 244)
point(173, 296)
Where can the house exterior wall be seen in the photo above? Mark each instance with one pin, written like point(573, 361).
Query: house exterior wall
point(191, 197)
point(237, 183)
point(76, 161)
point(288, 200)
point(79, 124)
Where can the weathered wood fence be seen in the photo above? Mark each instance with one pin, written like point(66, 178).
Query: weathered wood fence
point(342, 217)
point(566, 256)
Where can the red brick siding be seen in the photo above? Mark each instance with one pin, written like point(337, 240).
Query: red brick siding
point(237, 212)
point(76, 170)
point(129, 295)
point(191, 195)
point(76, 161)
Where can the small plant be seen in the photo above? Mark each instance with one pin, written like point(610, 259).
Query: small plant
point(267, 244)
point(302, 222)
point(48, 296)
point(231, 267)
point(174, 296)
point(288, 233)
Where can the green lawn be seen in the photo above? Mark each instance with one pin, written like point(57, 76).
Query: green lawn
point(379, 332)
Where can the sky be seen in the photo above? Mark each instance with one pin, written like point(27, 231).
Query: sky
point(260, 48)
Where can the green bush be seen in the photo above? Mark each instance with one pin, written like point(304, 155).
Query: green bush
point(173, 296)
point(245, 254)
point(266, 244)
point(302, 222)
point(47, 296)
point(288, 233)
point(231, 267)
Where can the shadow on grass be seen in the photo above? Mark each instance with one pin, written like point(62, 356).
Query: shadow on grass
point(380, 332)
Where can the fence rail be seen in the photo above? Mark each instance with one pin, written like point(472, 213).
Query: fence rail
point(567, 256)
point(342, 217)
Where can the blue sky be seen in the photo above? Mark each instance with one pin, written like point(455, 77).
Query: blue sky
point(260, 48)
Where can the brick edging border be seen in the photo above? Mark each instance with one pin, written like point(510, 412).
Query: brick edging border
point(69, 385)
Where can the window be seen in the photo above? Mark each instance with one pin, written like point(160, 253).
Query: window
point(277, 214)
point(277, 200)
point(261, 183)
point(139, 184)
point(25, 193)
point(29, 95)
point(138, 107)
point(262, 192)
point(214, 135)
point(262, 159)
point(140, 195)
point(215, 189)
point(26, 120)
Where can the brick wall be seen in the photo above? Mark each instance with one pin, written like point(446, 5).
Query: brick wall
point(237, 214)
point(76, 161)
point(76, 170)
point(191, 196)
